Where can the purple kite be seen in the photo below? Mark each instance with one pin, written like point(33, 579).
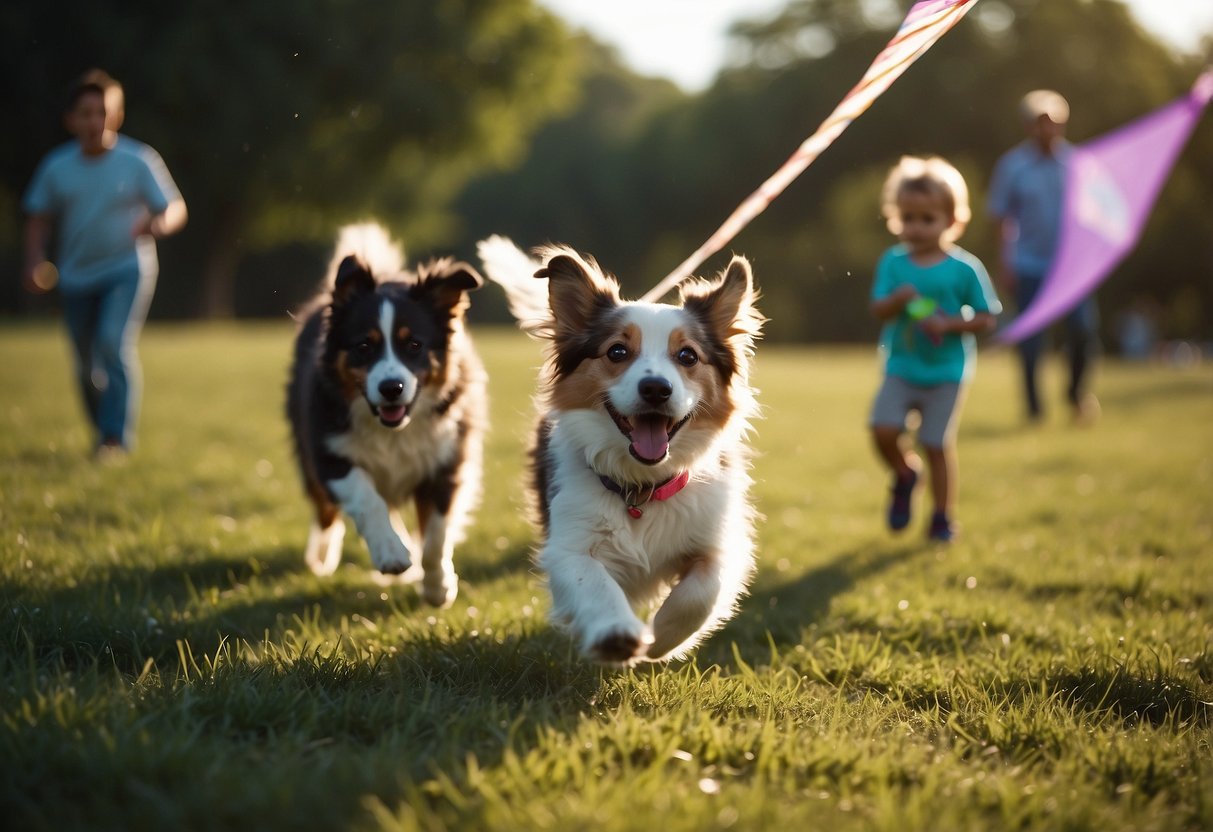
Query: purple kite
point(1111, 185)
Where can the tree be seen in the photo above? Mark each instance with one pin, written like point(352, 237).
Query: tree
point(578, 180)
point(815, 247)
point(280, 119)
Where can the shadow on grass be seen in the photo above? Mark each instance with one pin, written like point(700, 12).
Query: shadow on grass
point(779, 612)
point(338, 722)
point(128, 614)
point(1152, 696)
point(1131, 695)
point(513, 561)
point(44, 458)
point(998, 431)
point(1172, 388)
point(332, 729)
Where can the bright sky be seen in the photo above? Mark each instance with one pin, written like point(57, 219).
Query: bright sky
point(684, 40)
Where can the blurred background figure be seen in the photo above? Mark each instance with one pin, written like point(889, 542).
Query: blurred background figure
point(1026, 200)
point(1137, 330)
point(105, 198)
point(637, 154)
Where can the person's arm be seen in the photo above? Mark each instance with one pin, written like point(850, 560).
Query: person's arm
point(1001, 208)
point(940, 325)
point(158, 188)
point(37, 233)
point(171, 221)
point(168, 222)
point(1008, 232)
point(891, 304)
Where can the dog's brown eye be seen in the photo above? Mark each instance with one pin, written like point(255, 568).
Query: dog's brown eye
point(687, 357)
point(412, 346)
point(616, 353)
point(364, 349)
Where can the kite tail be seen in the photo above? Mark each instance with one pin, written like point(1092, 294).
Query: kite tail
point(514, 271)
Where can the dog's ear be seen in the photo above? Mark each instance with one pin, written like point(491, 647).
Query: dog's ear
point(447, 282)
point(726, 309)
point(353, 278)
point(726, 306)
point(577, 294)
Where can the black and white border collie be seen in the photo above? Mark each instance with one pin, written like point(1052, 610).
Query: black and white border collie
point(640, 464)
point(387, 403)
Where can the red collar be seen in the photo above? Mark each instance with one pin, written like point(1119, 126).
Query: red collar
point(637, 495)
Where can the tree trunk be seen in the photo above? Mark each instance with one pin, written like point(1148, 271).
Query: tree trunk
point(219, 268)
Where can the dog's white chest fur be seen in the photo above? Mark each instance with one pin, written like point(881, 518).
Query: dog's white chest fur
point(642, 553)
point(397, 460)
point(698, 540)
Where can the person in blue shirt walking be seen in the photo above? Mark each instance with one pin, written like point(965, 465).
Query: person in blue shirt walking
point(107, 199)
point(932, 296)
point(1026, 193)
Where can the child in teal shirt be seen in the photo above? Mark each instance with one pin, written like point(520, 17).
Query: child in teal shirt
point(932, 297)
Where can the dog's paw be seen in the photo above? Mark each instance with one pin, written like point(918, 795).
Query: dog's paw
point(620, 645)
point(441, 593)
point(391, 556)
point(394, 567)
point(323, 552)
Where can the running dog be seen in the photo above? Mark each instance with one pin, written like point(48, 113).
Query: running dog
point(640, 462)
point(387, 402)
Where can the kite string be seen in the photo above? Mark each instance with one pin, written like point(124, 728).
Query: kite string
point(926, 23)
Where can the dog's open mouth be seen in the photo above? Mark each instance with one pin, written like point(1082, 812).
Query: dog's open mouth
point(650, 433)
point(390, 416)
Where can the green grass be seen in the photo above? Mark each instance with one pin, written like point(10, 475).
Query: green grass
point(167, 661)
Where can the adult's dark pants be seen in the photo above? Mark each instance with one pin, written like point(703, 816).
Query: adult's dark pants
point(1081, 341)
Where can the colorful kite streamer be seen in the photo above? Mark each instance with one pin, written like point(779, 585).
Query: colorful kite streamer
point(926, 23)
point(1111, 185)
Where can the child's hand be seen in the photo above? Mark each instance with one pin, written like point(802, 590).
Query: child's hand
point(921, 307)
point(936, 326)
point(39, 278)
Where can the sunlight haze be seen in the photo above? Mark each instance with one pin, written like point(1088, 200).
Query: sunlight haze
point(686, 40)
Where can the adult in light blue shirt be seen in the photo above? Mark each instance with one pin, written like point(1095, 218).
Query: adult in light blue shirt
point(107, 198)
point(1026, 197)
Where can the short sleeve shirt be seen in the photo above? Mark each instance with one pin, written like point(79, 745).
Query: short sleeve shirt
point(1027, 187)
point(95, 202)
point(960, 286)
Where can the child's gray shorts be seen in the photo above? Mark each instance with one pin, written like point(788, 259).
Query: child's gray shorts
point(938, 404)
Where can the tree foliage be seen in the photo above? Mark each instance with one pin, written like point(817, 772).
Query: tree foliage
point(815, 248)
point(281, 119)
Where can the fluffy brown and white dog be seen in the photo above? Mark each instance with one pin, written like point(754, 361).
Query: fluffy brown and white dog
point(640, 463)
point(387, 404)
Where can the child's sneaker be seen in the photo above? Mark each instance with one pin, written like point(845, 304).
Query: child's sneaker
point(899, 506)
point(941, 528)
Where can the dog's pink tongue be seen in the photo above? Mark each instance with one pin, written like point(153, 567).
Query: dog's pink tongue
point(649, 438)
point(392, 414)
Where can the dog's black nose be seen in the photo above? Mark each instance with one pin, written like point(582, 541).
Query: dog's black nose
point(655, 390)
point(391, 389)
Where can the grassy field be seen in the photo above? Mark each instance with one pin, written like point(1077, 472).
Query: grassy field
point(167, 661)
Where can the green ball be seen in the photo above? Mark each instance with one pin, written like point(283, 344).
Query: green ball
point(920, 308)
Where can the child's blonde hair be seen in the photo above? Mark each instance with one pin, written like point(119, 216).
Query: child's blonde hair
point(933, 176)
